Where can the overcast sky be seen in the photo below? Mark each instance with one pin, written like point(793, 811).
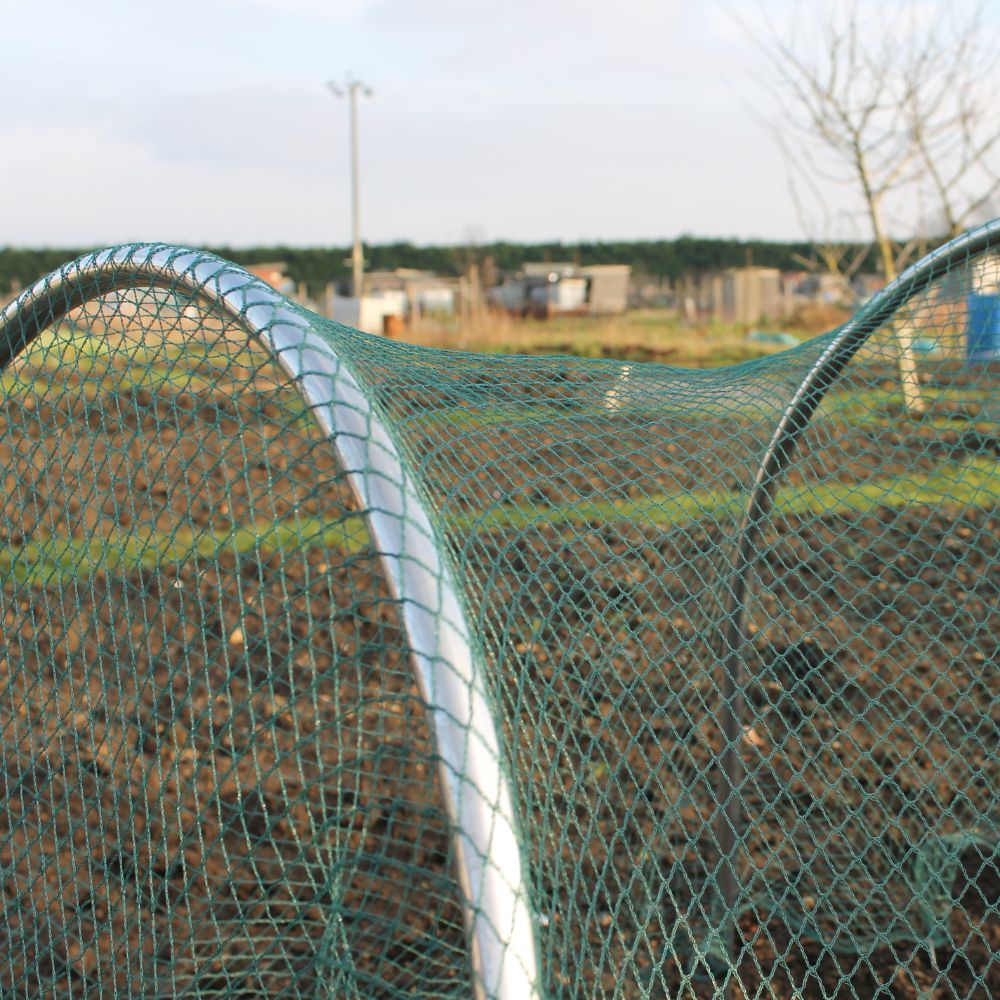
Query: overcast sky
point(207, 121)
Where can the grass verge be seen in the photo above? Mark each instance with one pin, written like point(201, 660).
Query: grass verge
point(58, 560)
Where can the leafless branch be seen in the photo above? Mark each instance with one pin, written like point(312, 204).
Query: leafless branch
point(893, 102)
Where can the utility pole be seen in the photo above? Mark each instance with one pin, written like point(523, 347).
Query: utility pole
point(350, 89)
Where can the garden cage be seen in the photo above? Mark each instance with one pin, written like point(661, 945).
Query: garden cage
point(337, 667)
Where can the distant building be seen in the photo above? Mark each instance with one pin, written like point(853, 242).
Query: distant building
point(368, 313)
point(424, 293)
point(866, 285)
point(749, 294)
point(608, 288)
point(391, 300)
point(804, 288)
point(274, 274)
point(652, 292)
point(560, 289)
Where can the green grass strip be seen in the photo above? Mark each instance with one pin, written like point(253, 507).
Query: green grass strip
point(975, 483)
point(59, 560)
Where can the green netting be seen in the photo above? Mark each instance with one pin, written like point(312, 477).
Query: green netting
point(335, 667)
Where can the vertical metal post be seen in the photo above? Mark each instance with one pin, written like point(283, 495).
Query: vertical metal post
point(357, 262)
point(350, 90)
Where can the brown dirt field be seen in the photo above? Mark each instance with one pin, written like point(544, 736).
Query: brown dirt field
point(217, 777)
point(208, 770)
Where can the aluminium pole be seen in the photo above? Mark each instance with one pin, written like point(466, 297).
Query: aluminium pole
point(350, 89)
point(357, 260)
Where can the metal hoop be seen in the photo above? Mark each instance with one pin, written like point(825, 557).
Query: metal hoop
point(447, 669)
point(780, 450)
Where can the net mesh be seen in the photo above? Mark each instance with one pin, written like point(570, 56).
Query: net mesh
point(744, 755)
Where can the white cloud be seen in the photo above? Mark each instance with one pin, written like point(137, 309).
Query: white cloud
point(335, 9)
point(531, 120)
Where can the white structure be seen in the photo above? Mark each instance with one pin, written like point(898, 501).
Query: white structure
point(369, 312)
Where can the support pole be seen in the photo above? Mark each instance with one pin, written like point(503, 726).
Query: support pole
point(350, 89)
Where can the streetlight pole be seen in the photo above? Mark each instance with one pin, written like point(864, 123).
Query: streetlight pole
point(350, 89)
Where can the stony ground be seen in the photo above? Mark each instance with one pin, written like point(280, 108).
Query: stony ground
point(217, 779)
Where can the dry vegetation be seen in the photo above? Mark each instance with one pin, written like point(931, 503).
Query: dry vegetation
point(641, 335)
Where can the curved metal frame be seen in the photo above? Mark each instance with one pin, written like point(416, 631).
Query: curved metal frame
point(449, 674)
point(780, 450)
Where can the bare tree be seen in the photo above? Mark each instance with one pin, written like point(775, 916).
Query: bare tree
point(896, 101)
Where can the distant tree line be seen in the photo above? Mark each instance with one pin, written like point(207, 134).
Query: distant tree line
point(318, 265)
